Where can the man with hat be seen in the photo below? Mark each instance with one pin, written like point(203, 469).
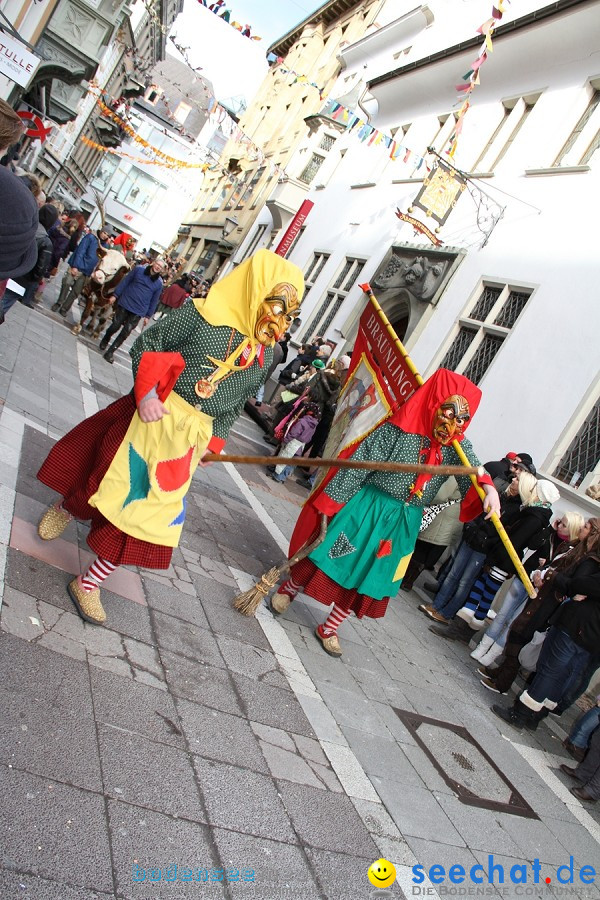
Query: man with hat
point(82, 263)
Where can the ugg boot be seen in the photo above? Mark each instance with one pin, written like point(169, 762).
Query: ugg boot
point(492, 654)
point(465, 614)
point(482, 648)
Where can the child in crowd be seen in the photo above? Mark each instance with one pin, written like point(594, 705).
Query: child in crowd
point(297, 432)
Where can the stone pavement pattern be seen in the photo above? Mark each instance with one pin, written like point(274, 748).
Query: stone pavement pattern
point(185, 733)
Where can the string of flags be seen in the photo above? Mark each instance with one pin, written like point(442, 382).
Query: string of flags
point(368, 133)
point(471, 78)
point(220, 10)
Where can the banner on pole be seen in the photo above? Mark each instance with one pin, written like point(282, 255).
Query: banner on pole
point(379, 381)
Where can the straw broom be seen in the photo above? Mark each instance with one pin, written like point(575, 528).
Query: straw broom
point(248, 602)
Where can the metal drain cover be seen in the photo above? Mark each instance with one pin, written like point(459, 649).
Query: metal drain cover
point(464, 765)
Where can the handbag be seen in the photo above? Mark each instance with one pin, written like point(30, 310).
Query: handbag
point(530, 653)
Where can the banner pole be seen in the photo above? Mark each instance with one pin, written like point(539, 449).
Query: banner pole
point(494, 518)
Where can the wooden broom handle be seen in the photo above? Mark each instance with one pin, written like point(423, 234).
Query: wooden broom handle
point(373, 465)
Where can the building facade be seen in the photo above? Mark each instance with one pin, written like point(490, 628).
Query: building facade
point(280, 125)
point(147, 200)
point(110, 47)
point(510, 297)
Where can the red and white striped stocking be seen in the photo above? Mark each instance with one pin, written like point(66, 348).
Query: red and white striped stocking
point(97, 572)
point(335, 619)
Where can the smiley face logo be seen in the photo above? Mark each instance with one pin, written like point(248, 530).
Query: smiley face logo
point(381, 873)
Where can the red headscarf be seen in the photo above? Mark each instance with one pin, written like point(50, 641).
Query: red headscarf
point(416, 415)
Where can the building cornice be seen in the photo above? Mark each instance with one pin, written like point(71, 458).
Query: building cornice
point(326, 14)
point(532, 19)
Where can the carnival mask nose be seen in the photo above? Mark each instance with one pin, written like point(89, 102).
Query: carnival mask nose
point(276, 313)
point(450, 419)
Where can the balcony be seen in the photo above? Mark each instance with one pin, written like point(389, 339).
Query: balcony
point(285, 199)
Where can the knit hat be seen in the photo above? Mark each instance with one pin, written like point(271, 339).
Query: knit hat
point(547, 492)
point(18, 226)
point(526, 458)
point(512, 456)
point(48, 215)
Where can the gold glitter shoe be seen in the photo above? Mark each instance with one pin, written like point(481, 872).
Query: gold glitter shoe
point(330, 642)
point(88, 603)
point(279, 603)
point(53, 523)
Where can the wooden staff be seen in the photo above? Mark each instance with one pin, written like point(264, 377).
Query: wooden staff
point(372, 464)
point(460, 452)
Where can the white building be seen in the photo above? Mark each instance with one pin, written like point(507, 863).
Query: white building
point(516, 306)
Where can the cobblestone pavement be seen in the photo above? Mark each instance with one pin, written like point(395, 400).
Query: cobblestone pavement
point(184, 734)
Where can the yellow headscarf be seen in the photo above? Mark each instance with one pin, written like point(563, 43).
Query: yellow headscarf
point(236, 299)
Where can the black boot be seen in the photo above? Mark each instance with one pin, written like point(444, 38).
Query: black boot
point(108, 356)
point(519, 715)
point(457, 630)
point(411, 575)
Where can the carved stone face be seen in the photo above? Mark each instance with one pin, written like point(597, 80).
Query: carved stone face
point(450, 419)
point(276, 314)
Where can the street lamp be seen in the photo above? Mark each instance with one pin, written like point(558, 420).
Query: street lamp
point(229, 226)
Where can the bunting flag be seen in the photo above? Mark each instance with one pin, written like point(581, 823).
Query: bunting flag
point(373, 137)
point(470, 79)
point(220, 10)
point(171, 164)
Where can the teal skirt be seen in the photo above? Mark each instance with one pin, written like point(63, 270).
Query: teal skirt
point(369, 543)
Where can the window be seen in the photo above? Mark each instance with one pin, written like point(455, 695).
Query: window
point(311, 169)
point(591, 108)
point(256, 239)
point(251, 186)
point(296, 239)
point(334, 298)
point(314, 270)
point(515, 113)
point(326, 142)
point(484, 329)
point(182, 112)
point(583, 454)
point(218, 199)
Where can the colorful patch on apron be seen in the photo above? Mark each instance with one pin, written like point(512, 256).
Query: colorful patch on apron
point(341, 547)
point(181, 517)
point(171, 474)
point(139, 479)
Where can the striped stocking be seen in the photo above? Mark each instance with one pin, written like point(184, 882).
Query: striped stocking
point(335, 619)
point(290, 588)
point(97, 572)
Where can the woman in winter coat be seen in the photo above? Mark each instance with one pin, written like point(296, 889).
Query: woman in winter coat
point(563, 534)
point(537, 498)
point(444, 530)
point(47, 217)
point(298, 432)
point(563, 580)
point(573, 636)
point(172, 297)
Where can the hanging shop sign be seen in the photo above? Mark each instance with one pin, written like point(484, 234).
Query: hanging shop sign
point(16, 62)
point(420, 227)
point(34, 125)
point(441, 189)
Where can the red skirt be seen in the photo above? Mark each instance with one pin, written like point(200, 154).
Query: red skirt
point(321, 587)
point(75, 467)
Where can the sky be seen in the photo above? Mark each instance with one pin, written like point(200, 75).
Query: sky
point(234, 64)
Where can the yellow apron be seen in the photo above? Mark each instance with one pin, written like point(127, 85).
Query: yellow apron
point(144, 490)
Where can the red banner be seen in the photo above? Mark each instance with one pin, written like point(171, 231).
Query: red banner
point(294, 227)
point(385, 354)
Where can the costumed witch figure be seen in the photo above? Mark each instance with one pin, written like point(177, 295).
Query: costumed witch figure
point(128, 468)
point(375, 516)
